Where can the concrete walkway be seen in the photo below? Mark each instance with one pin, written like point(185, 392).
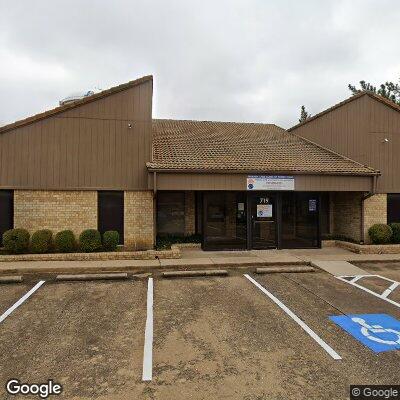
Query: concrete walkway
point(339, 268)
point(196, 258)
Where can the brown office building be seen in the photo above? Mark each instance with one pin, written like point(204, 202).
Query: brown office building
point(103, 162)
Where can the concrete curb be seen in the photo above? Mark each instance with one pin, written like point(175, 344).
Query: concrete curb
point(205, 272)
point(11, 279)
point(274, 270)
point(38, 270)
point(92, 277)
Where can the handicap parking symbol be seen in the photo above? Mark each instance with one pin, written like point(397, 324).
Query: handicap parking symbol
point(379, 332)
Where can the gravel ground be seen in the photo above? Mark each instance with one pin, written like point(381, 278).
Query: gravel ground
point(214, 338)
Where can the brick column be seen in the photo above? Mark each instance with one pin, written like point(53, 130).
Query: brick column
point(375, 212)
point(346, 214)
point(138, 220)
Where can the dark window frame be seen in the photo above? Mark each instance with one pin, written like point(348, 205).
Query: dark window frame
point(6, 199)
point(393, 214)
point(167, 192)
point(120, 226)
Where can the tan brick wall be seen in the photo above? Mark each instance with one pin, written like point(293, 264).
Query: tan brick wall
point(375, 212)
point(139, 220)
point(55, 210)
point(190, 223)
point(346, 214)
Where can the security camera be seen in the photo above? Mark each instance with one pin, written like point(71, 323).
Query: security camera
point(386, 140)
point(130, 126)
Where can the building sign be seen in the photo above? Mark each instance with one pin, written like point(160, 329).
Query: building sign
point(270, 182)
point(264, 210)
point(312, 205)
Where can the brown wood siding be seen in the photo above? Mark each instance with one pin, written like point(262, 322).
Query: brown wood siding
point(193, 181)
point(357, 130)
point(87, 147)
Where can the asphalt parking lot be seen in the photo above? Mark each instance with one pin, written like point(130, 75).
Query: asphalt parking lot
point(213, 338)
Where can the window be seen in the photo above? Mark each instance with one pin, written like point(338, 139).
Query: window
point(6, 212)
point(393, 207)
point(171, 213)
point(225, 221)
point(111, 212)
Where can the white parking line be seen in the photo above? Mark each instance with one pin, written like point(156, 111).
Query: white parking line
point(382, 296)
point(323, 344)
point(20, 301)
point(356, 278)
point(148, 336)
point(390, 289)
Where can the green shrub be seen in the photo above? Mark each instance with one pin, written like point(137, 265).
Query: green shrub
point(65, 242)
point(110, 240)
point(90, 241)
point(164, 242)
point(42, 241)
point(396, 232)
point(380, 233)
point(16, 241)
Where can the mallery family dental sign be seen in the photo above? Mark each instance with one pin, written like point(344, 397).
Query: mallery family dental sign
point(270, 182)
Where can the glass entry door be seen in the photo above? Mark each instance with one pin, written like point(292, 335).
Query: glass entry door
point(263, 221)
point(300, 220)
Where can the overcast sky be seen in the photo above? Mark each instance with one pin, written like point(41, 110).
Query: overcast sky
point(218, 60)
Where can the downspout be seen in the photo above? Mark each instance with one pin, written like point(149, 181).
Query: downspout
point(367, 196)
point(154, 207)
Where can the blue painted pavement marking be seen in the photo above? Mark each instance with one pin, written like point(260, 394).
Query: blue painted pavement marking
point(379, 332)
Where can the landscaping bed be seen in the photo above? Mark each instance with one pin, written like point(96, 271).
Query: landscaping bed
point(101, 256)
point(390, 248)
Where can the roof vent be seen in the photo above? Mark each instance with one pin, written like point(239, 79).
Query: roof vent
point(76, 97)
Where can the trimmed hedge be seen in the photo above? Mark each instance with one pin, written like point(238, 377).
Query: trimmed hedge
point(16, 241)
point(65, 242)
point(42, 241)
point(380, 233)
point(110, 240)
point(90, 241)
point(396, 232)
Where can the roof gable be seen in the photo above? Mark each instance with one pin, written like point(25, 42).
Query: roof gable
point(76, 104)
point(373, 96)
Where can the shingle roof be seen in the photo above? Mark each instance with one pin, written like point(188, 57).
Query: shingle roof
point(219, 146)
point(77, 103)
point(374, 96)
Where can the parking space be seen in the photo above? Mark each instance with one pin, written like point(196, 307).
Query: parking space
point(10, 293)
point(213, 338)
point(86, 336)
point(223, 338)
point(384, 280)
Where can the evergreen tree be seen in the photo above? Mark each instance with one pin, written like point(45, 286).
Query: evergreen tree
point(304, 115)
point(388, 90)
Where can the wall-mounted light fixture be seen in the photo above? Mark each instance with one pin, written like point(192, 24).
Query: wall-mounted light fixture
point(386, 140)
point(130, 126)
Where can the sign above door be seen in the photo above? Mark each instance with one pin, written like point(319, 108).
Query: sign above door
point(270, 182)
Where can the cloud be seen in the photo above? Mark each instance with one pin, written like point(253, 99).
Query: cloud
point(226, 60)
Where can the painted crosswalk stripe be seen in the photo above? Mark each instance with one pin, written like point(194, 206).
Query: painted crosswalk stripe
point(148, 336)
point(390, 289)
point(20, 301)
point(382, 296)
point(321, 342)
